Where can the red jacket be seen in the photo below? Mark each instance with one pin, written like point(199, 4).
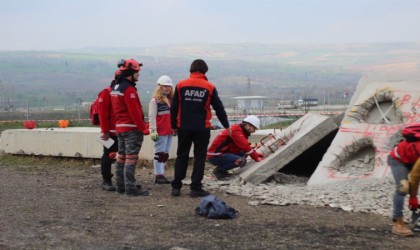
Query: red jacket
point(106, 116)
point(127, 107)
point(406, 152)
point(160, 117)
point(234, 144)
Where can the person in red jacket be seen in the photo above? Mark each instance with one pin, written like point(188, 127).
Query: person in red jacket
point(190, 119)
point(107, 125)
point(230, 148)
point(130, 127)
point(401, 160)
point(160, 126)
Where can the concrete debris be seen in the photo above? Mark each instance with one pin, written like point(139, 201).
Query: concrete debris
point(355, 195)
point(381, 99)
point(283, 147)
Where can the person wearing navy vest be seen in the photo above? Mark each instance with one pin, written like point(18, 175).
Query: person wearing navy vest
point(190, 119)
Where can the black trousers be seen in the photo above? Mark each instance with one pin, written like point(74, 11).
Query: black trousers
point(186, 137)
point(106, 162)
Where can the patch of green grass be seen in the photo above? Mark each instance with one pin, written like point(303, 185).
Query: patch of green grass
point(47, 161)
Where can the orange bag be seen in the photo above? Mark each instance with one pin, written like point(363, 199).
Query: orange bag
point(63, 123)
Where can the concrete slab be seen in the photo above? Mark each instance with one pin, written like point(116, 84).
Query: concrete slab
point(300, 136)
point(75, 142)
point(66, 142)
point(369, 130)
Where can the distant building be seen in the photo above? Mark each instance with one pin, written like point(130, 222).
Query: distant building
point(250, 102)
point(307, 102)
point(86, 104)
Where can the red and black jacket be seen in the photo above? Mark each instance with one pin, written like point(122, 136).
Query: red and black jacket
point(105, 114)
point(406, 152)
point(190, 108)
point(127, 107)
point(235, 143)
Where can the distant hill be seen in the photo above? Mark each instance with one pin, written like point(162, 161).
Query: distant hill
point(236, 69)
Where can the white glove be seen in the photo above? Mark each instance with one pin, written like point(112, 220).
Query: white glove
point(154, 135)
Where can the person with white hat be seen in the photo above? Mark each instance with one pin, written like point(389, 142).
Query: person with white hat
point(230, 149)
point(160, 125)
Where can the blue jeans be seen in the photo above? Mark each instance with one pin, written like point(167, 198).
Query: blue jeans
point(400, 172)
point(225, 162)
point(163, 144)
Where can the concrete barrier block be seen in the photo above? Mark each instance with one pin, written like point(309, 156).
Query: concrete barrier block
point(301, 135)
point(70, 142)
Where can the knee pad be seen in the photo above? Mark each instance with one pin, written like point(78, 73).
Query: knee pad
point(131, 159)
point(160, 156)
point(121, 158)
point(240, 162)
point(403, 187)
point(165, 159)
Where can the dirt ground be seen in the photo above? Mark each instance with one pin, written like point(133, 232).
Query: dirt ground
point(56, 205)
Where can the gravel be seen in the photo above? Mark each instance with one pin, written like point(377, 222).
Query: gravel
point(357, 195)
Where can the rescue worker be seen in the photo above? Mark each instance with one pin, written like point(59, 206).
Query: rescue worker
point(190, 119)
point(229, 150)
point(160, 126)
point(107, 125)
point(130, 127)
point(401, 160)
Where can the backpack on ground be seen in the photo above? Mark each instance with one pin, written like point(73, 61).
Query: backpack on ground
point(411, 133)
point(93, 112)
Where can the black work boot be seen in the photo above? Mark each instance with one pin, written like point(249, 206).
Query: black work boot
point(119, 178)
point(220, 174)
point(176, 192)
point(198, 193)
point(136, 192)
point(160, 179)
point(107, 185)
point(122, 190)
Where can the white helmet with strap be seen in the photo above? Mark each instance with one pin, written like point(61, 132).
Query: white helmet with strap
point(165, 81)
point(253, 120)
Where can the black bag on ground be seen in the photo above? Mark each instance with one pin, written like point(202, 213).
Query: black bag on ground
point(214, 208)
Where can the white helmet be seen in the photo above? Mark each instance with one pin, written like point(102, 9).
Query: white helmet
point(253, 120)
point(165, 81)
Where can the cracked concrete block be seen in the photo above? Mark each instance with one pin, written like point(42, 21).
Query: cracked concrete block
point(301, 135)
point(370, 129)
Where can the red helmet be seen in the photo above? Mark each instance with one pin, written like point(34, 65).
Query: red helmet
point(129, 64)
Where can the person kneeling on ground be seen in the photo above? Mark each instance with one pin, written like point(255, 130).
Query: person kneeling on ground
point(229, 150)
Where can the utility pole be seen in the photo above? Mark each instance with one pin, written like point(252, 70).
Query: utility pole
point(248, 90)
point(27, 109)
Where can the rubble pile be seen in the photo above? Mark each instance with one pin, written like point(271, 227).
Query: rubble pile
point(355, 195)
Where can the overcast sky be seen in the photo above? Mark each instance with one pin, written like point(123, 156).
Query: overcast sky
point(65, 24)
